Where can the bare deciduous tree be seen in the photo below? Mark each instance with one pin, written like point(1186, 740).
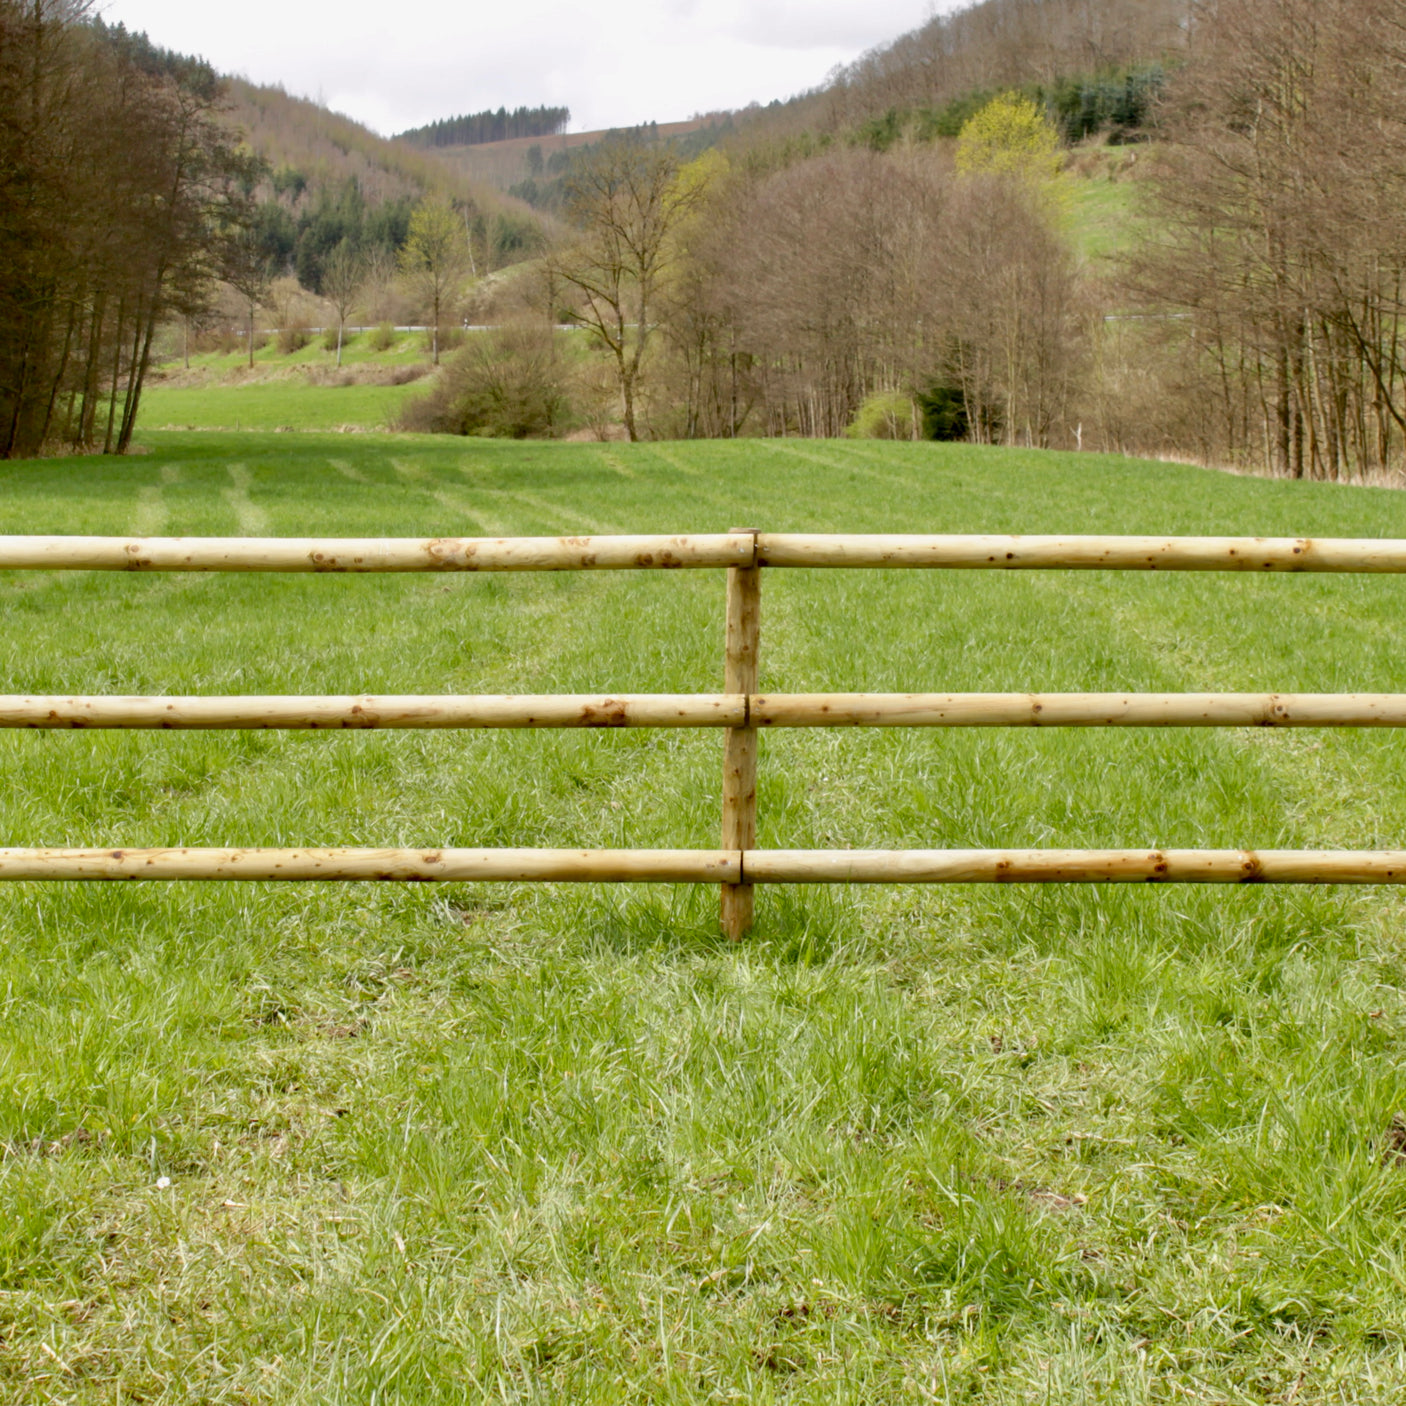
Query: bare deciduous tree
point(343, 285)
point(628, 202)
point(114, 172)
point(1279, 258)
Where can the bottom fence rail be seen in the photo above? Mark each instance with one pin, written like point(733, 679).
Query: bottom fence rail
point(953, 866)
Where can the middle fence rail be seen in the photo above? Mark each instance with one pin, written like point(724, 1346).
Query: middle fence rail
point(737, 865)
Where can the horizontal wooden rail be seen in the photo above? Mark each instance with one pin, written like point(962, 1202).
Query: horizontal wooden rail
point(1084, 553)
point(666, 866)
point(387, 711)
point(737, 865)
point(1075, 866)
point(730, 710)
point(297, 554)
point(1079, 710)
point(973, 866)
point(341, 554)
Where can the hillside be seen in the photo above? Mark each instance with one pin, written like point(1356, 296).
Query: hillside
point(1095, 65)
point(296, 134)
point(978, 50)
point(502, 165)
point(331, 179)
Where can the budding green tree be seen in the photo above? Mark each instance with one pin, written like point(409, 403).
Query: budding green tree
point(435, 259)
point(1010, 136)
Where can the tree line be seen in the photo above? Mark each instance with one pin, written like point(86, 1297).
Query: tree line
point(299, 237)
point(479, 128)
point(727, 301)
point(551, 176)
point(1274, 275)
point(1119, 105)
point(997, 45)
point(117, 185)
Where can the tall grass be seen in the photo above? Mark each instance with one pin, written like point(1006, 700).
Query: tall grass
point(297, 1144)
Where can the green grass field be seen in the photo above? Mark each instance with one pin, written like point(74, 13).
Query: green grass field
point(434, 1144)
point(274, 405)
point(285, 391)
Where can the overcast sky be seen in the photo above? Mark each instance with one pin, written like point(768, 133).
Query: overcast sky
point(612, 62)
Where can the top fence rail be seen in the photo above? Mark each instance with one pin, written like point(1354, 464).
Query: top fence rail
point(747, 549)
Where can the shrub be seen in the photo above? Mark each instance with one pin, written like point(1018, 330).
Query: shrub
point(886, 415)
point(293, 339)
point(505, 384)
point(450, 339)
point(382, 337)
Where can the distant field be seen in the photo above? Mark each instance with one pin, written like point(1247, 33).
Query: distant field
point(293, 405)
point(297, 390)
point(532, 1144)
point(1103, 217)
point(1101, 200)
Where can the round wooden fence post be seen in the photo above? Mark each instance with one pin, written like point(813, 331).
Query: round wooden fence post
point(744, 620)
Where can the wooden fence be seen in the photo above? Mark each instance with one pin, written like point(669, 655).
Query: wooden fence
point(737, 865)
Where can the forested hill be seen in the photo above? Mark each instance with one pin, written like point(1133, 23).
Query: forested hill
point(1083, 50)
point(329, 180)
point(326, 148)
point(480, 128)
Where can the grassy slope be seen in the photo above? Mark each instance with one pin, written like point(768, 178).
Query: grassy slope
point(565, 1145)
point(1101, 218)
point(290, 391)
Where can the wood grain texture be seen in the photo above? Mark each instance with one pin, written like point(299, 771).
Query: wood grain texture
point(1079, 710)
point(1179, 866)
point(377, 711)
point(396, 865)
point(1055, 866)
point(741, 664)
point(1084, 553)
point(729, 710)
point(372, 554)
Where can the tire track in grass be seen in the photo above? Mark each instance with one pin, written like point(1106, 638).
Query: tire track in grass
point(724, 505)
point(348, 472)
point(613, 462)
point(869, 463)
point(152, 514)
point(423, 482)
point(253, 520)
point(573, 521)
point(668, 457)
point(1319, 789)
point(855, 511)
point(853, 460)
point(413, 474)
point(463, 510)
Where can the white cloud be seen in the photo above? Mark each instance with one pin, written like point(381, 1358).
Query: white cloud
point(613, 64)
